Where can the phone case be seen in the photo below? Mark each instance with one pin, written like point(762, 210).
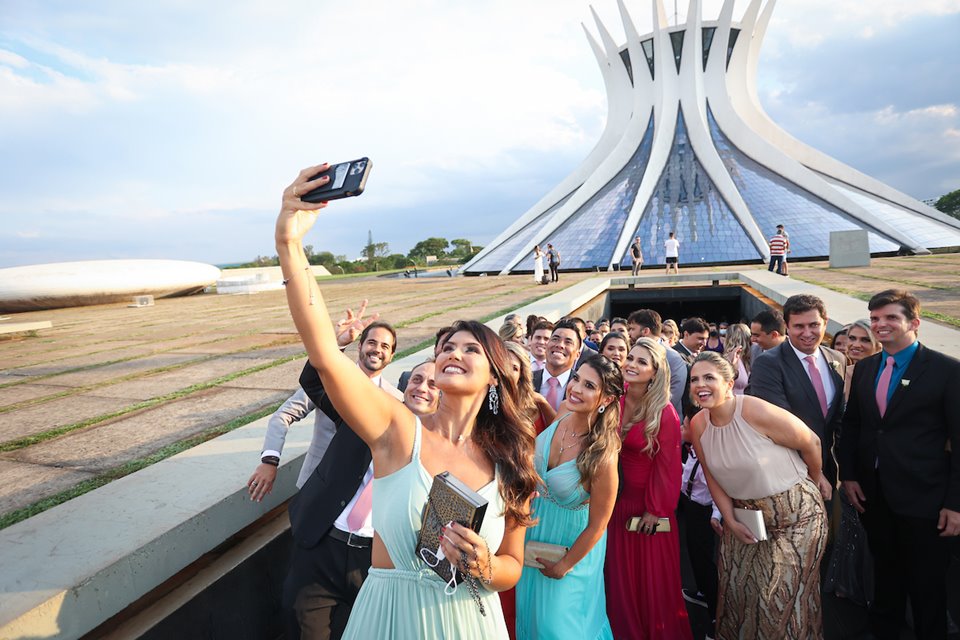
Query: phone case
point(346, 179)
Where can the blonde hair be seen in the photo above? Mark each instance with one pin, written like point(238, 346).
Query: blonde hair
point(510, 331)
point(525, 383)
point(655, 400)
point(738, 335)
point(601, 441)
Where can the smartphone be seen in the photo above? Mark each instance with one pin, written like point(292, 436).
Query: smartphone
point(346, 179)
point(633, 525)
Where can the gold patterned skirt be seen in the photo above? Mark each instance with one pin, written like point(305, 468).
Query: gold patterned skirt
point(772, 589)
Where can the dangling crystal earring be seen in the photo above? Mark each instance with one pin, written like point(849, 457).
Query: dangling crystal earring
point(493, 399)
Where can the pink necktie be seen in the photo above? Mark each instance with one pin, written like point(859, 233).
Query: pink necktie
point(817, 383)
point(553, 395)
point(883, 385)
point(361, 508)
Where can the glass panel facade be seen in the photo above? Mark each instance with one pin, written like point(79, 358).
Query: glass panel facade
point(774, 200)
point(734, 34)
point(707, 34)
point(647, 46)
point(587, 239)
point(686, 202)
point(497, 259)
point(676, 40)
point(625, 56)
point(927, 232)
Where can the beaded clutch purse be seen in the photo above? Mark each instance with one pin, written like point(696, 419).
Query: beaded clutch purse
point(449, 500)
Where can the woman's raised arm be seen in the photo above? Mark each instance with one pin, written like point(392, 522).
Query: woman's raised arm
point(365, 408)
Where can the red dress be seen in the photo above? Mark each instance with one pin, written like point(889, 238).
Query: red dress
point(642, 571)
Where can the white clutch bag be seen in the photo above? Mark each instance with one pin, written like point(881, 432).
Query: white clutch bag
point(550, 552)
point(753, 519)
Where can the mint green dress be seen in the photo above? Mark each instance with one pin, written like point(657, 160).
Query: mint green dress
point(575, 605)
point(408, 601)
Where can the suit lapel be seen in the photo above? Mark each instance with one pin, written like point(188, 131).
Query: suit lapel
point(837, 400)
point(867, 389)
point(798, 371)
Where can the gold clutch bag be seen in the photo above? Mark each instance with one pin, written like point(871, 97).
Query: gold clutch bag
point(550, 552)
point(448, 500)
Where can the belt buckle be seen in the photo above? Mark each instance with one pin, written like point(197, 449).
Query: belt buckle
point(351, 543)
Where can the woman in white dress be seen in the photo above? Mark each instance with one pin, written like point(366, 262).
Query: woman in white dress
point(537, 265)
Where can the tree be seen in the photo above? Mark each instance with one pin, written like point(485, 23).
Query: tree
point(950, 204)
point(462, 248)
point(373, 251)
point(429, 247)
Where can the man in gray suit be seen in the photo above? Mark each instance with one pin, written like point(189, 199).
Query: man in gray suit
point(377, 345)
point(803, 376)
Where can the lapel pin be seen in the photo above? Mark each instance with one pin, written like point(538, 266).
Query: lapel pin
point(905, 383)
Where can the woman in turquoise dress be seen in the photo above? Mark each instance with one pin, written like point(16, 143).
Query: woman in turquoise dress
point(478, 434)
point(577, 458)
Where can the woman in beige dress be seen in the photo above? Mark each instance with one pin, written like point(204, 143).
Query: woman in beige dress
point(759, 457)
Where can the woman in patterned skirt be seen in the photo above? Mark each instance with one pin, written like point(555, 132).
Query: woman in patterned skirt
point(748, 449)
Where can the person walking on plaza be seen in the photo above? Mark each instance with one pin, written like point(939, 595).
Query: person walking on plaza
point(636, 255)
point(778, 251)
point(784, 270)
point(899, 459)
point(671, 250)
point(537, 265)
point(553, 259)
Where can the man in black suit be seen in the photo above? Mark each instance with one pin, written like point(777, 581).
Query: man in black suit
point(330, 517)
point(900, 466)
point(767, 330)
point(587, 348)
point(562, 353)
point(693, 338)
point(803, 376)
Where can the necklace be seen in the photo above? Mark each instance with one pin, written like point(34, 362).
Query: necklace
point(563, 439)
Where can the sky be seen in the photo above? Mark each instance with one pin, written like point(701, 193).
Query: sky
point(169, 129)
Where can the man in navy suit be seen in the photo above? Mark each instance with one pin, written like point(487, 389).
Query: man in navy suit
point(900, 466)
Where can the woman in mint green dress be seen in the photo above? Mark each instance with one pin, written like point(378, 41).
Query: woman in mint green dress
point(577, 458)
point(478, 434)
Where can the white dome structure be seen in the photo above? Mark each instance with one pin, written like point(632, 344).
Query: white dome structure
point(687, 148)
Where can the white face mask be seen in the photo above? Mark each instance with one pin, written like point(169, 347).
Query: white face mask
point(723, 332)
point(433, 558)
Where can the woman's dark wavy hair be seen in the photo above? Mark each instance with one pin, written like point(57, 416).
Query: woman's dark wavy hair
point(507, 437)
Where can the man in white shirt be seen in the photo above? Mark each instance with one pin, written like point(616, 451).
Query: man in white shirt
point(371, 359)
point(671, 249)
point(538, 344)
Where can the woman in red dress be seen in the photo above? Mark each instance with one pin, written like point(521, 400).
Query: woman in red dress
point(642, 571)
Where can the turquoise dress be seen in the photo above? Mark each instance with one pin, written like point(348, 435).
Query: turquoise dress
point(408, 601)
point(574, 606)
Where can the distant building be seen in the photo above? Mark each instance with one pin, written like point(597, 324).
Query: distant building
point(688, 148)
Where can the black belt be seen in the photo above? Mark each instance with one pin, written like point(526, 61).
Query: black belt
point(351, 539)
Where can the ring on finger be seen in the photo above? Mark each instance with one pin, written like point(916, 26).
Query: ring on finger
point(295, 195)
